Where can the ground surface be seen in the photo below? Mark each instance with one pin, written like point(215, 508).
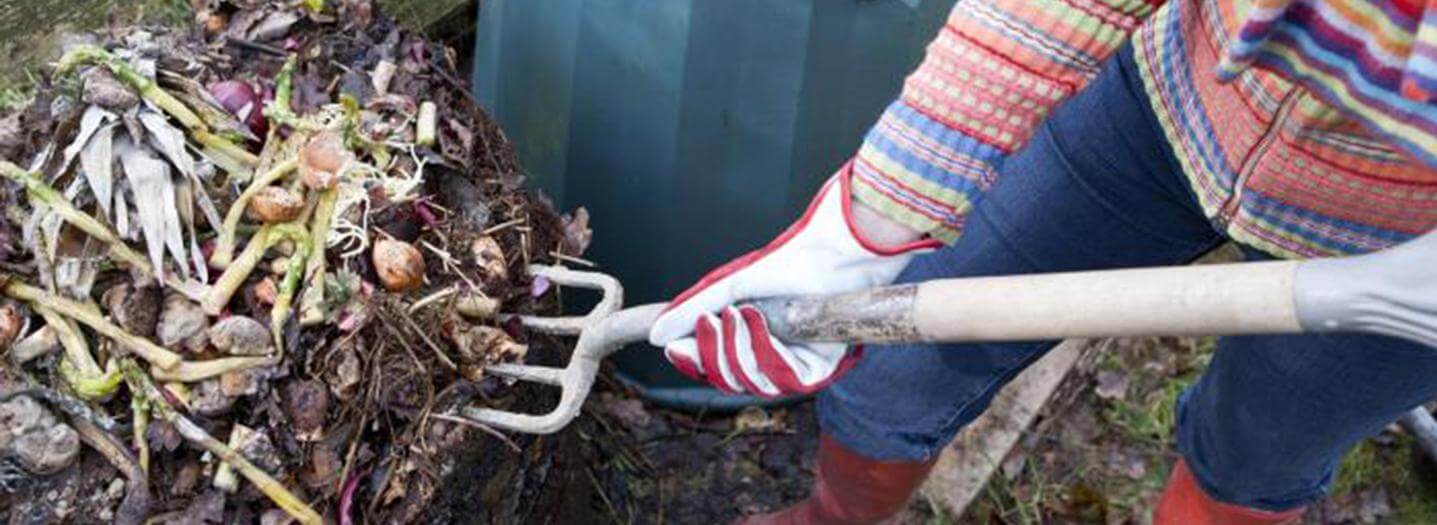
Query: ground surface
point(1099, 454)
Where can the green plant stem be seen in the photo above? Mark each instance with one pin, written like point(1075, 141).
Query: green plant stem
point(91, 387)
point(235, 273)
point(223, 146)
point(225, 242)
point(43, 194)
point(90, 54)
point(77, 367)
point(141, 411)
point(284, 300)
point(193, 371)
point(278, 110)
point(427, 126)
point(311, 304)
point(151, 91)
point(86, 315)
point(77, 351)
point(142, 385)
point(234, 276)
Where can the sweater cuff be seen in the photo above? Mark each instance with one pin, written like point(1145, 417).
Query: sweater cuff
point(921, 173)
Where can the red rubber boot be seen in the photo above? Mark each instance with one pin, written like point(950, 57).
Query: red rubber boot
point(850, 489)
point(1184, 503)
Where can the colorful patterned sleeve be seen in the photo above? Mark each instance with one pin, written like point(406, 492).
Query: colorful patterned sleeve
point(988, 80)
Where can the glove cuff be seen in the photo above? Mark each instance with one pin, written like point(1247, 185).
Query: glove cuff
point(844, 180)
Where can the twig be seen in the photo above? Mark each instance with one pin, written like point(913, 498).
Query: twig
point(141, 385)
point(599, 487)
point(431, 298)
point(136, 505)
point(571, 259)
point(482, 427)
point(427, 125)
point(77, 351)
point(255, 46)
point(502, 226)
point(430, 343)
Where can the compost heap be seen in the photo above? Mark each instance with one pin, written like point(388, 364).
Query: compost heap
point(252, 269)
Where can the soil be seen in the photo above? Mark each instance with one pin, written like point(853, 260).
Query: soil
point(661, 466)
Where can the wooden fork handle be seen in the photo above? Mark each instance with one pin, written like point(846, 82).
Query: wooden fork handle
point(1245, 298)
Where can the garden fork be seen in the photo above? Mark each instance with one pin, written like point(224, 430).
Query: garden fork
point(1392, 292)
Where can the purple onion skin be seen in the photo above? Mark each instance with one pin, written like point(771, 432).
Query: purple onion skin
point(237, 95)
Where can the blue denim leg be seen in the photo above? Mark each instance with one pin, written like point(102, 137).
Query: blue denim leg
point(1096, 188)
point(1270, 419)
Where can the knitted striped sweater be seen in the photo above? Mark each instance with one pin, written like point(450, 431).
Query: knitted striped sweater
point(1306, 127)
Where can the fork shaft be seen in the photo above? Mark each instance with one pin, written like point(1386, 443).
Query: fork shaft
point(1246, 298)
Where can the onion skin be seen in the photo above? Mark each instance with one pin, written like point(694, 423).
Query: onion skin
point(239, 98)
point(12, 320)
point(399, 264)
point(321, 159)
point(275, 204)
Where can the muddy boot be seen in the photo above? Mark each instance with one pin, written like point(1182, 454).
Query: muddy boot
point(1184, 503)
point(850, 489)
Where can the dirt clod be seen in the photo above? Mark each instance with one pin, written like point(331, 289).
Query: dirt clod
point(182, 324)
point(31, 435)
point(240, 335)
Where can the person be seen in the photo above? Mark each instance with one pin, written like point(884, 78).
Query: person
point(1060, 135)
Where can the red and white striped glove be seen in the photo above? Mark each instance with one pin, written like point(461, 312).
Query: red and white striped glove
point(709, 336)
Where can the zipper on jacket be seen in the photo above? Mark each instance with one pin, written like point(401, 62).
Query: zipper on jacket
point(1254, 156)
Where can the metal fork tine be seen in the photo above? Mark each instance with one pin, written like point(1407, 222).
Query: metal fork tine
point(555, 325)
point(537, 374)
point(602, 332)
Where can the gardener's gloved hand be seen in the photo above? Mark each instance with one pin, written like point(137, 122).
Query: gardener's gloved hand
point(708, 335)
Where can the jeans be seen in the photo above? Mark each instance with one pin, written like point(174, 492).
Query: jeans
point(1098, 187)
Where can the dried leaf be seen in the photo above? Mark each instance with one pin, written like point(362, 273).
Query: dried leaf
point(164, 436)
point(204, 171)
point(205, 509)
point(97, 161)
point(1128, 464)
point(577, 233)
point(199, 99)
point(273, 26)
point(168, 140)
point(630, 412)
point(75, 276)
point(238, 173)
point(148, 177)
point(103, 89)
point(174, 236)
point(756, 419)
point(185, 195)
point(1111, 384)
point(122, 214)
point(307, 405)
point(89, 123)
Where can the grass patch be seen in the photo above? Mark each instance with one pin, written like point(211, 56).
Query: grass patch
point(1150, 419)
point(1372, 465)
point(13, 97)
point(1363, 467)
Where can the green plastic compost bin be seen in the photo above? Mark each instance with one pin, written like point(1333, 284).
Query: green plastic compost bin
point(692, 130)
